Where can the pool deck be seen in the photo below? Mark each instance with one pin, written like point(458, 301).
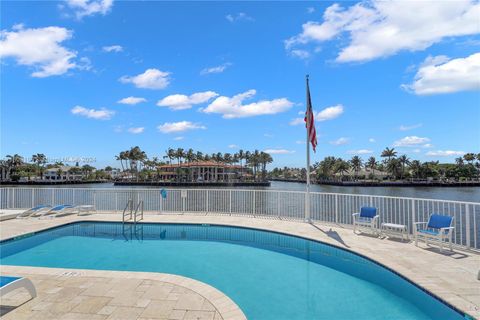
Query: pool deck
point(452, 276)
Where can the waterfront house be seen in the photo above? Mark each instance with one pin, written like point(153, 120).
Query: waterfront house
point(203, 171)
point(65, 173)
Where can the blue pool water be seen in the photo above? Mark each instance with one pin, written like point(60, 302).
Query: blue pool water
point(269, 275)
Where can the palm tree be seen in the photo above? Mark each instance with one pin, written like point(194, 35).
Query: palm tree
point(341, 166)
point(199, 156)
point(389, 153)
point(356, 163)
point(469, 157)
point(264, 159)
point(459, 161)
point(372, 164)
point(13, 162)
point(169, 154)
point(392, 166)
point(40, 160)
point(404, 161)
point(179, 155)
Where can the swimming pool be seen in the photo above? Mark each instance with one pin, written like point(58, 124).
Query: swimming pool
point(269, 275)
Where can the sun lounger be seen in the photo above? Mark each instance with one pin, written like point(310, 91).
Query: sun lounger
point(60, 211)
point(9, 284)
point(34, 211)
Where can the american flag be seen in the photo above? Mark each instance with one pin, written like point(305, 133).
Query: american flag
point(309, 121)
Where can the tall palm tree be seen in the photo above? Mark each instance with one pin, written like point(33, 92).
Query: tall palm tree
point(40, 159)
point(179, 155)
point(389, 153)
point(169, 154)
point(459, 161)
point(404, 161)
point(264, 159)
point(372, 164)
point(469, 157)
point(356, 163)
point(341, 166)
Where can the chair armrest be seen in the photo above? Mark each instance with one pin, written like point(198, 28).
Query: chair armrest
point(355, 214)
point(446, 229)
point(376, 217)
point(417, 223)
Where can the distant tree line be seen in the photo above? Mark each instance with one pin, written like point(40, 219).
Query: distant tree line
point(16, 167)
point(391, 167)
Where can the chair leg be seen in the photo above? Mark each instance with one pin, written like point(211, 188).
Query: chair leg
point(416, 240)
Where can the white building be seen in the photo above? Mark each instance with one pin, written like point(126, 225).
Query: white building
point(63, 173)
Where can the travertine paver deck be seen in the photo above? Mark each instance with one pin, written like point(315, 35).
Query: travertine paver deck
point(90, 294)
point(450, 276)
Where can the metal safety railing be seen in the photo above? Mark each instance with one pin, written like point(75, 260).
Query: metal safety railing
point(335, 208)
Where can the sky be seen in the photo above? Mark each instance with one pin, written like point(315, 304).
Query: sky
point(86, 79)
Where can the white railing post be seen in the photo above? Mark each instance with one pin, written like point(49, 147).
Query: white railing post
point(278, 204)
point(13, 198)
point(206, 199)
point(53, 196)
point(33, 198)
point(336, 208)
point(116, 202)
point(254, 201)
point(230, 209)
point(467, 225)
point(412, 231)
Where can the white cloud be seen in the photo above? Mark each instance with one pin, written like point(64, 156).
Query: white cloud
point(406, 128)
point(175, 127)
point(178, 138)
point(310, 10)
point(360, 151)
point(150, 79)
point(278, 151)
point(412, 141)
point(101, 114)
point(233, 107)
point(241, 16)
point(324, 115)
point(378, 28)
point(444, 153)
point(136, 130)
point(296, 121)
point(132, 100)
point(114, 48)
point(299, 53)
point(340, 141)
point(83, 8)
point(300, 142)
point(39, 48)
point(372, 140)
point(233, 146)
point(217, 69)
point(329, 113)
point(181, 101)
point(441, 75)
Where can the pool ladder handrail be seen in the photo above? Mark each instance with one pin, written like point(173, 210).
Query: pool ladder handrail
point(130, 212)
point(139, 212)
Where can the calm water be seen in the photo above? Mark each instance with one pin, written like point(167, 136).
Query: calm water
point(269, 275)
point(471, 194)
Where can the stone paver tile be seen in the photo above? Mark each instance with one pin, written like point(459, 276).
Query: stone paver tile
point(177, 314)
point(158, 309)
point(199, 315)
point(217, 316)
point(142, 303)
point(98, 289)
point(91, 305)
point(125, 313)
point(207, 306)
point(81, 316)
point(126, 299)
point(64, 295)
point(158, 292)
point(190, 301)
point(107, 310)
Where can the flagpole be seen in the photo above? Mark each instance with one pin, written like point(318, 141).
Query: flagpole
point(307, 195)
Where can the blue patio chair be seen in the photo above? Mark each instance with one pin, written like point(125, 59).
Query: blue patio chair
point(438, 227)
point(8, 284)
point(367, 218)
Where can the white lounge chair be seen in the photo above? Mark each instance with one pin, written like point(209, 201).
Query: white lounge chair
point(9, 284)
point(59, 211)
point(367, 218)
point(438, 228)
point(34, 211)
